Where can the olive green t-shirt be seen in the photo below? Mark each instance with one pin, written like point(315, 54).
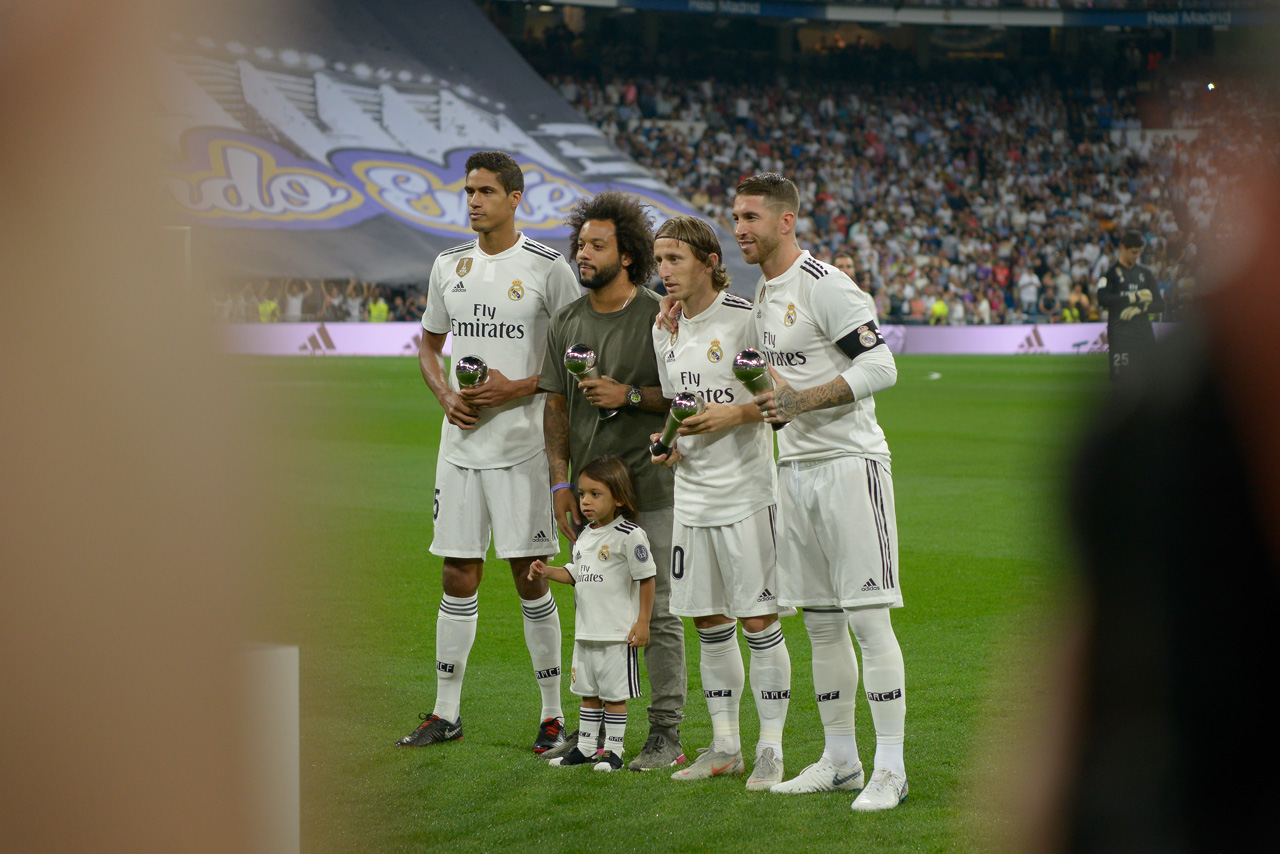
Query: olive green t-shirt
point(624, 351)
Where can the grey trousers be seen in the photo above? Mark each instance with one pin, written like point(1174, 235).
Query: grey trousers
point(664, 656)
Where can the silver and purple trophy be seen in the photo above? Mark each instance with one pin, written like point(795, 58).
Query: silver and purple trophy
point(580, 360)
point(471, 371)
point(752, 371)
point(685, 405)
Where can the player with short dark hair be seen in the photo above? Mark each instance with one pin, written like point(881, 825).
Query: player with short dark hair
point(496, 295)
point(613, 239)
point(837, 537)
point(1130, 294)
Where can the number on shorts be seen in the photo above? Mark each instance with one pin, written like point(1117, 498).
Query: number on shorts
point(435, 510)
point(677, 562)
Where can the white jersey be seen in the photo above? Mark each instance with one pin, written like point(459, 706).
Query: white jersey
point(799, 317)
point(608, 565)
point(498, 308)
point(726, 476)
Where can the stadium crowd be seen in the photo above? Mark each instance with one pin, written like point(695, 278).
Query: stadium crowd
point(960, 202)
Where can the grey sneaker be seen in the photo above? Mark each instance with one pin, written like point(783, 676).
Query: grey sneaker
point(569, 745)
point(767, 772)
point(662, 750)
point(711, 763)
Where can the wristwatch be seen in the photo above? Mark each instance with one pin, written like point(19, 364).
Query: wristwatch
point(634, 397)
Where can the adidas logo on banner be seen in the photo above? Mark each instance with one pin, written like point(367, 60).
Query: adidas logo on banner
point(766, 596)
point(1033, 343)
point(458, 289)
point(541, 538)
point(870, 585)
point(415, 345)
point(318, 342)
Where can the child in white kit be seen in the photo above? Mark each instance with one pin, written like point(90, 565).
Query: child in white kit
point(612, 574)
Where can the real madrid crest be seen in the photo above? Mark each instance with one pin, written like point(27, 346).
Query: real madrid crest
point(790, 318)
point(516, 291)
point(604, 553)
point(675, 333)
point(714, 353)
point(866, 337)
point(464, 267)
point(761, 297)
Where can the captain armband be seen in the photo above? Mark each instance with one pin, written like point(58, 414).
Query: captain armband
point(860, 340)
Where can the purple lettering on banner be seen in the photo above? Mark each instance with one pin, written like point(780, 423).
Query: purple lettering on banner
point(235, 180)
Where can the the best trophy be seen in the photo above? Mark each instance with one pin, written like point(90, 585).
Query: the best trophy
point(684, 405)
point(580, 360)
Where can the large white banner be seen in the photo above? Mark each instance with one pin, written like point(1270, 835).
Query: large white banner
point(402, 339)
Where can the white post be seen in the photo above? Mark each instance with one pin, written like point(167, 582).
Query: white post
point(275, 805)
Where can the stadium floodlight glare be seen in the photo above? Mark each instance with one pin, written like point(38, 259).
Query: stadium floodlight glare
point(315, 62)
point(1211, 87)
point(264, 53)
point(208, 43)
point(471, 371)
point(361, 70)
point(405, 77)
point(289, 56)
point(237, 48)
point(684, 405)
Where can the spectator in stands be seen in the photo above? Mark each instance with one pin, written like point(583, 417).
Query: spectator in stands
point(294, 295)
point(334, 308)
point(377, 310)
point(399, 310)
point(268, 308)
point(1049, 306)
point(353, 302)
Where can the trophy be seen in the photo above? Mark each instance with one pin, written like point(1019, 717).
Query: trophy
point(471, 371)
point(752, 371)
point(685, 404)
point(580, 360)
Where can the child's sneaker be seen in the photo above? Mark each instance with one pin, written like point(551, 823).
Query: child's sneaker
point(608, 761)
point(574, 757)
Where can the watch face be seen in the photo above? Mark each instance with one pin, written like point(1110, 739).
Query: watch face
point(633, 397)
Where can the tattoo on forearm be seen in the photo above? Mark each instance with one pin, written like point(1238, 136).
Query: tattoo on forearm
point(791, 403)
point(555, 434)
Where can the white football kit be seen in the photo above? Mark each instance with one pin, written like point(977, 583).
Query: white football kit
point(838, 536)
point(498, 307)
point(608, 565)
point(722, 559)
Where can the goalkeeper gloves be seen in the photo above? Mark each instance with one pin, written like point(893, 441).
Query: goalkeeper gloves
point(1144, 297)
point(1130, 313)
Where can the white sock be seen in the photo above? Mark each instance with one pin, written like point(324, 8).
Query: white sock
point(885, 681)
point(615, 731)
point(771, 684)
point(835, 680)
point(722, 680)
point(542, 636)
point(589, 721)
point(455, 633)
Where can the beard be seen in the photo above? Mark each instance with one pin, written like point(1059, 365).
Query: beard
point(601, 277)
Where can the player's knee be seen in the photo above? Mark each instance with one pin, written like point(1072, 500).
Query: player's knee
point(873, 629)
point(461, 578)
point(758, 624)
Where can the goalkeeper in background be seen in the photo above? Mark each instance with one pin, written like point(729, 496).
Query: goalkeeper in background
point(1129, 294)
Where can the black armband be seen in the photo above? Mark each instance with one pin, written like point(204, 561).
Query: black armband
point(860, 340)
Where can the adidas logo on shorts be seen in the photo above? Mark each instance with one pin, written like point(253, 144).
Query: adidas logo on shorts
point(458, 289)
point(870, 585)
point(541, 539)
point(766, 596)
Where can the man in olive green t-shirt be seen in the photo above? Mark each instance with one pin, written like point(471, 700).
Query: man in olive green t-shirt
point(613, 244)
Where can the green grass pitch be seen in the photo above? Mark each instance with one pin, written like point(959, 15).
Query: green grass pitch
point(979, 445)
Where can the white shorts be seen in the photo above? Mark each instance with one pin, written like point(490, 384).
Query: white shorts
point(609, 670)
point(468, 500)
point(725, 569)
point(837, 534)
